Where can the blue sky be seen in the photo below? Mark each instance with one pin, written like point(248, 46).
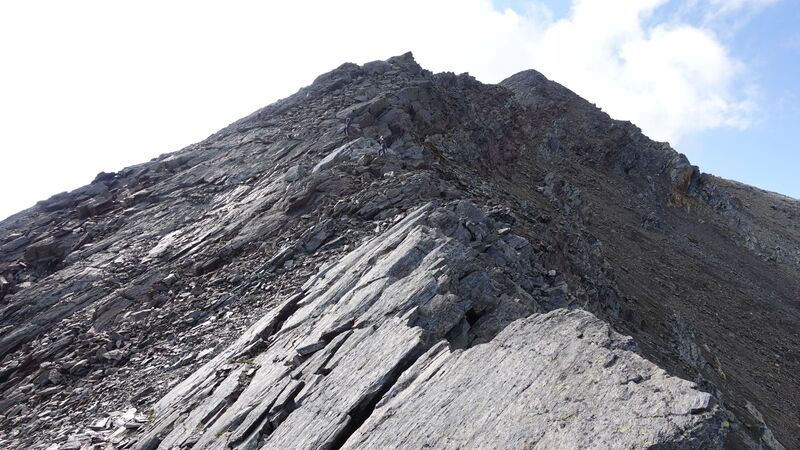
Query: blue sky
point(92, 85)
point(767, 153)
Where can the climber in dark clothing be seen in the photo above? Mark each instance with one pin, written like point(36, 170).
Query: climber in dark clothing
point(382, 141)
point(347, 121)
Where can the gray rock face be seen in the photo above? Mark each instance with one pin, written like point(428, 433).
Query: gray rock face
point(283, 284)
point(352, 330)
point(558, 380)
point(379, 324)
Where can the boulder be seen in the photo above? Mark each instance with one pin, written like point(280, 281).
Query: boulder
point(47, 250)
point(5, 286)
point(15, 244)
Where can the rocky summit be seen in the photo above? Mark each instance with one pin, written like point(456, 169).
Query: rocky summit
point(462, 266)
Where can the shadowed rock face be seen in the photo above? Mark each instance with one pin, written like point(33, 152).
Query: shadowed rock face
point(284, 285)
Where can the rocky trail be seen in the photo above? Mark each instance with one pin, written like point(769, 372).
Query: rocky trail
point(517, 270)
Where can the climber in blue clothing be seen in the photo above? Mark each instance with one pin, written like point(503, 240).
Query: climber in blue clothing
point(347, 121)
point(382, 141)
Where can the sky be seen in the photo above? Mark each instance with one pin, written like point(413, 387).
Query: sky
point(91, 86)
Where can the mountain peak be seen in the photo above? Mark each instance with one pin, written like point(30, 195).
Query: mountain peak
point(393, 258)
point(406, 61)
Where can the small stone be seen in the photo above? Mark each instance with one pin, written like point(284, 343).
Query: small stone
point(5, 286)
point(141, 393)
point(139, 315)
point(114, 355)
point(72, 445)
point(79, 368)
point(205, 353)
point(170, 279)
point(310, 348)
point(186, 360)
point(100, 424)
point(132, 425)
point(55, 377)
point(118, 434)
point(50, 391)
point(129, 414)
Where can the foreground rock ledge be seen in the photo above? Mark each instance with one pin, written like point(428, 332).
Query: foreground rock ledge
point(558, 380)
point(377, 329)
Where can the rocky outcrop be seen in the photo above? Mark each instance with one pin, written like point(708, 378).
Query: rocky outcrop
point(352, 330)
point(556, 380)
point(283, 284)
point(403, 307)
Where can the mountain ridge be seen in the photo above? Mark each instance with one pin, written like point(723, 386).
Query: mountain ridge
point(629, 229)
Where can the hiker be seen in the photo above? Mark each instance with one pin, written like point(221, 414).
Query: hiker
point(347, 121)
point(382, 141)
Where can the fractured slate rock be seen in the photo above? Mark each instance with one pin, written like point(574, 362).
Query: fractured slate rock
point(558, 380)
point(283, 285)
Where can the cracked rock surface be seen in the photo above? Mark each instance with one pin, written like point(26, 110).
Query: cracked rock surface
point(558, 380)
point(516, 270)
point(388, 316)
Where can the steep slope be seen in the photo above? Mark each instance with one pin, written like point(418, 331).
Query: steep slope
point(283, 285)
point(377, 315)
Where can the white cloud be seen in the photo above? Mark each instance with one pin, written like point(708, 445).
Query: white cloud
point(727, 17)
point(95, 85)
point(730, 6)
point(670, 79)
